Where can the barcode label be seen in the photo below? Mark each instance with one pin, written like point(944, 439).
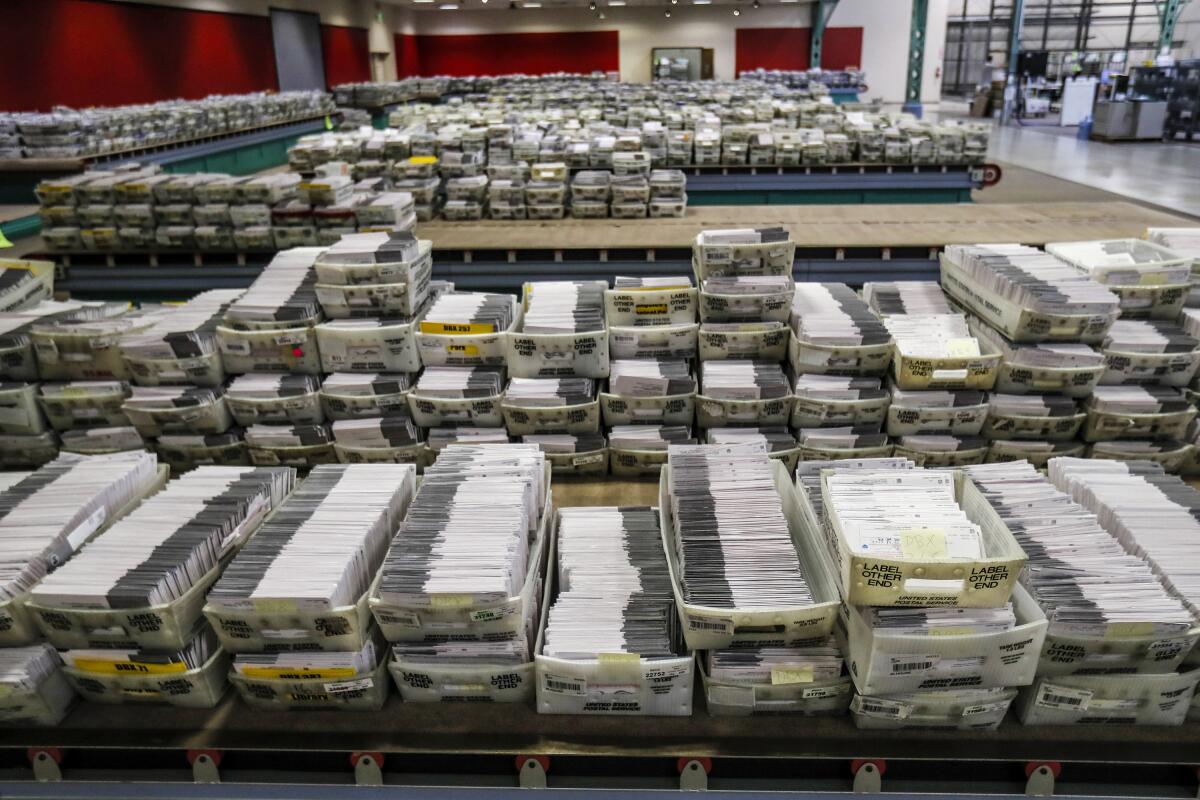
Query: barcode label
point(704, 624)
point(398, 618)
point(1052, 696)
point(495, 614)
point(985, 708)
point(561, 685)
point(906, 664)
point(825, 692)
point(349, 687)
point(876, 707)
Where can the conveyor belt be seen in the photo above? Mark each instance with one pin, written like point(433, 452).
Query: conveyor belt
point(845, 226)
point(851, 244)
point(834, 183)
point(500, 729)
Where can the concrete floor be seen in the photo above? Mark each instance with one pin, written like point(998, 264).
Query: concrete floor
point(1025, 185)
point(1162, 175)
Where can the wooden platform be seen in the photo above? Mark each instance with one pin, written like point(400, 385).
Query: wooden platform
point(845, 226)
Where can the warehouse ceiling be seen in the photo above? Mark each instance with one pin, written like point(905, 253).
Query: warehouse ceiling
point(600, 5)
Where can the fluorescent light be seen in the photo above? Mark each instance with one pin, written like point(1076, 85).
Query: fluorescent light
point(615, 3)
point(449, 7)
point(423, 2)
point(531, 5)
point(789, 1)
point(702, 2)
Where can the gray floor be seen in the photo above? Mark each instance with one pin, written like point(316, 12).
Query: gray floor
point(1163, 175)
point(1024, 185)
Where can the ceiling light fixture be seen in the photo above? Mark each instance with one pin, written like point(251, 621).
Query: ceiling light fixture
point(737, 12)
point(755, 4)
point(423, 2)
point(615, 3)
point(449, 7)
point(592, 6)
point(702, 2)
point(531, 5)
point(601, 15)
point(667, 13)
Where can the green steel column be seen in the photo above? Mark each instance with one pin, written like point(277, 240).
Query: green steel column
point(822, 10)
point(916, 57)
point(1014, 55)
point(1168, 15)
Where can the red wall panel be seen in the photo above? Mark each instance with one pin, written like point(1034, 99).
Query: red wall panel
point(507, 53)
point(87, 52)
point(408, 59)
point(788, 48)
point(842, 48)
point(347, 56)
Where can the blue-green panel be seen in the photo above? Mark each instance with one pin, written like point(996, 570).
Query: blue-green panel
point(829, 197)
point(21, 227)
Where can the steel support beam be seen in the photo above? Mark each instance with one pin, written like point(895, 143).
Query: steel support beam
point(916, 57)
point(1170, 13)
point(1014, 54)
point(822, 10)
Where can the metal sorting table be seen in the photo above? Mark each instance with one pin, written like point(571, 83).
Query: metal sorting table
point(239, 152)
point(832, 183)
point(852, 244)
point(513, 729)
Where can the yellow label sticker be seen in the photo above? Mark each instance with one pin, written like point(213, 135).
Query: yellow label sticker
point(1128, 630)
point(11, 264)
point(618, 658)
point(107, 667)
point(275, 606)
point(423, 160)
point(463, 349)
point(650, 308)
point(1152, 279)
point(293, 674)
point(965, 347)
point(923, 543)
point(461, 600)
point(951, 630)
point(4, 242)
point(782, 676)
point(456, 328)
point(328, 122)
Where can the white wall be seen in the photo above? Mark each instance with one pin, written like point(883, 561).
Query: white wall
point(885, 25)
point(1188, 30)
point(935, 52)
